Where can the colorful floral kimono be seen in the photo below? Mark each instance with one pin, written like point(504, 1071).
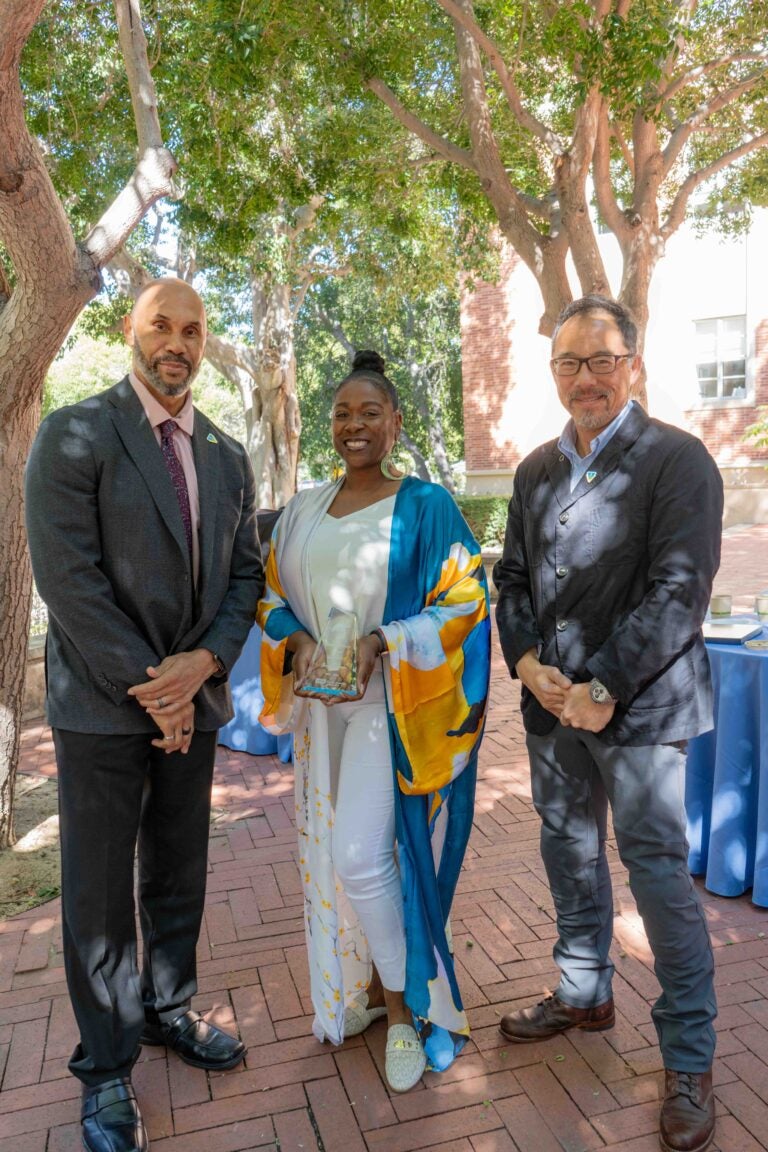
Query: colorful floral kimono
point(437, 629)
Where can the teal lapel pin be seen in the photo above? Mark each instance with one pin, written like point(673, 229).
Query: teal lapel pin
point(211, 438)
point(591, 476)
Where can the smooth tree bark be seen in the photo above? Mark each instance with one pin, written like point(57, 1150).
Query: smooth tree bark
point(47, 278)
point(650, 160)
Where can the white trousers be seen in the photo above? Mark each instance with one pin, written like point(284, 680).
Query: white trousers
point(364, 827)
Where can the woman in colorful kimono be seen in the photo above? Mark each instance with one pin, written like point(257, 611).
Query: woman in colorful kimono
point(385, 781)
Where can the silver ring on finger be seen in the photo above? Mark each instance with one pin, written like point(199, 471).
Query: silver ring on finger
point(161, 701)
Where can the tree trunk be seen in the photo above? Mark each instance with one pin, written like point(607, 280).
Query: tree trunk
point(55, 278)
point(641, 249)
point(273, 432)
point(544, 255)
point(413, 449)
point(433, 422)
point(31, 332)
point(266, 378)
point(18, 427)
point(273, 441)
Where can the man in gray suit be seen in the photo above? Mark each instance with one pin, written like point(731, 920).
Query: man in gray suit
point(613, 540)
point(142, 532)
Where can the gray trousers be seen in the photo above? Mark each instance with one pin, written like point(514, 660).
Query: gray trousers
point(574, 777)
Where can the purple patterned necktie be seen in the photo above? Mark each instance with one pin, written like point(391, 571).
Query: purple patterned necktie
point(173, 464)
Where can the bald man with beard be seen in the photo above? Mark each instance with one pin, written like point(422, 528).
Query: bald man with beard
point(142, 531)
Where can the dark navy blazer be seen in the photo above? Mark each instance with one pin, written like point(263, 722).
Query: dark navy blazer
point(613, 579)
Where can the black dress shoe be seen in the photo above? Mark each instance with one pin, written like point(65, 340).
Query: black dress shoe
point(687, 1121)
point(551, 1017)
point(111, 1118)
point(197, 1042)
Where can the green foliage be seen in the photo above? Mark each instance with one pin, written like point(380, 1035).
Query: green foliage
point(84, 367)
point(87, 365)
point(419, 338)
point(758, 432)
point(267, 105)
point(487, 518)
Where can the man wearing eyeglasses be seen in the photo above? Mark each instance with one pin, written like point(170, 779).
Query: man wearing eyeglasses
point(612, 544)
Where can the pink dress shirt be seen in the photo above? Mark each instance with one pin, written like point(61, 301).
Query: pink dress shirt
point(182, 443)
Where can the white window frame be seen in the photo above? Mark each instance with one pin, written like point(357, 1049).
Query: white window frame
point(721, 399)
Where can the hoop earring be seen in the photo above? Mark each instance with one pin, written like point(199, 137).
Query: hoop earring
point(389, 469)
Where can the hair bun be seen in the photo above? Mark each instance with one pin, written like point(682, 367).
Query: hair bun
point(368, 361)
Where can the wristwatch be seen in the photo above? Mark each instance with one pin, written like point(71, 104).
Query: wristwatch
point(599, 693)
point(220, 669)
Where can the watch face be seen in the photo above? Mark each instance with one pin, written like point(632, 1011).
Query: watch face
point(599, 692)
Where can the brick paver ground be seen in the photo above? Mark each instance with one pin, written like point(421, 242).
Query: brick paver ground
point(576, 1093)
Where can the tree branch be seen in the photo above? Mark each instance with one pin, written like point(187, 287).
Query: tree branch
point(684, 131)
point(17, 19)
point(233, 361)
point(541, 206)
point(153, 176)
point(626, 152)
point(677, 211)
point(607, 204)
point(31, 214)
point(543, 254)
point(133, 45)
point(129, 274)
point(335, 329)
point(705, 69)
point(305, 216)
point(417, 127)
point(571, 173)
point(464, 15)
point(311, 274)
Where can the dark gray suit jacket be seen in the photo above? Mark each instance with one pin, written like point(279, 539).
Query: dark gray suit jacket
point(111, 561)
point(613, 579)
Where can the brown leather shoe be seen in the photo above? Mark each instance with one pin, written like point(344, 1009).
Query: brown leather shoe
point(551, 1016)
point(687, 1122)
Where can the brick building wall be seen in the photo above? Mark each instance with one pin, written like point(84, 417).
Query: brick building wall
point(506, 382)
point(722, 425)
point(488, 328)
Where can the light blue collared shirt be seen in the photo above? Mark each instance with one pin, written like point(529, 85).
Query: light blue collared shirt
point(567, 444)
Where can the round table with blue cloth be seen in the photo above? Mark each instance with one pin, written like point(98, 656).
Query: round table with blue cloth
point(244, 733)
point(726, 789)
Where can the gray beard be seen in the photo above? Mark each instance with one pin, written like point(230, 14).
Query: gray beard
point(149, 368)
point(589, 421)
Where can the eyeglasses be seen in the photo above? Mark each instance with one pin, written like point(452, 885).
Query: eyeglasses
point(601, 365)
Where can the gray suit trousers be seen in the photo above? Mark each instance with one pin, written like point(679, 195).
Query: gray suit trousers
point(574, 778)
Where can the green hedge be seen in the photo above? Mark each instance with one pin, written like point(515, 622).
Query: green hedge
point(487, 518)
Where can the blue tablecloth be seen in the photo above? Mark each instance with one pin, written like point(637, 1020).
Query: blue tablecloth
point(726, 788)
point(244, 733)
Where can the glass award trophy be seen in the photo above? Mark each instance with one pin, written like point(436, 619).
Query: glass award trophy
point(333, 669)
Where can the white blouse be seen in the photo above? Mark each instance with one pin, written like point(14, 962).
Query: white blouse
point(349, 561)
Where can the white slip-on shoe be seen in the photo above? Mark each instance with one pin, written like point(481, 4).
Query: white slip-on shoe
point(358, 1016)
point(405, 1059)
